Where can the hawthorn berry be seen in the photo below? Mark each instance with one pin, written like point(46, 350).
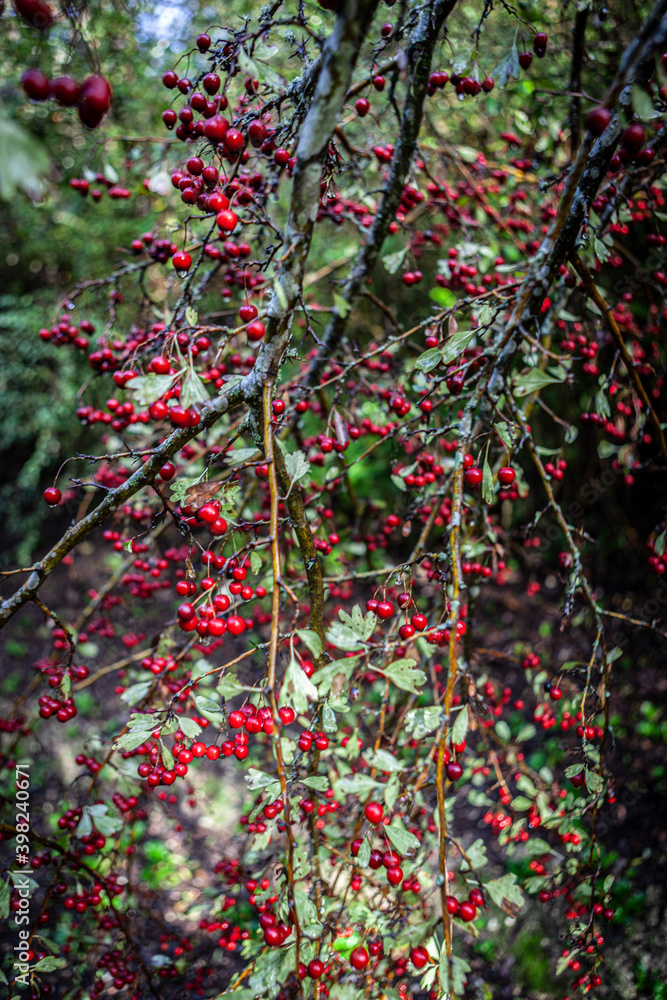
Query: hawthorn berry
point(359, 958)
point(373, 812)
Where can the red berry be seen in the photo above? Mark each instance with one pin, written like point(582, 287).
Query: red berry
point(36, 85)
point(467, 911)
point(182, 261)
point(597, 120)
point(633, 138)
point(540, 44)
point(215, 129)
point(506, 475)
point(359, 958)
point(257, 133)
point(374, 812)
point(53, 496)
point(476, 897)
point(315, 968)
point(419, 957)
point(454, 770)
point(473, 477)
point(95, 100)
point(65, 91)
point(394, 875)
point(235, 625)
point(226, 219)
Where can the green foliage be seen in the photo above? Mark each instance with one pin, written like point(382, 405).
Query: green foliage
point(38, 388)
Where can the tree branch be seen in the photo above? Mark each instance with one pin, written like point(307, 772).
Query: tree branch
point(339, 58)
point(420, 55)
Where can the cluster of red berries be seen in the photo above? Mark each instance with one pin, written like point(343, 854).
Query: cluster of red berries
point(92, 98)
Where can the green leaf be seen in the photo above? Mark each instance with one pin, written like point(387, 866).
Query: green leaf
point(352, 630)
point(456, 982)
point(488, 491)
point(179, 489)
point(329, 724)
point(229, 686)
point(573, 769)
point(403, 674)
point(297, 689)
point(191, 316)
point(191, 728)
point(364, 855)
point(209, 707)
point(457, 344)
point(206, 704)
point(307, 912)
point(193, 390)
point(525, 785)
point(297, 465)
point(642, 103)
point(391, 792)
point(460, 727)
point(536, 846)
point(533, 381)
point(334, 675)
point(259, 779)
point(508, 67)
point(507, 434)
point(392, 261)
point(404, 841)
point(85, 825)
point(357, 784)
point(148, 388)
point(443, 296)
point(318, 782)
point(255, 562)
point(136, 692)
point(429, 360)
point(476, 855)
point(505, 890)
point(341, 305)
point(132, 740)
point(421, 721)
point(312, 641)
point(601, 250)
point(144, 720)
point(467, 153)
point(23, 161)
point(503, 731)
point(5, 894)
point(459, 970)
point(49, 964)
point(521, 803)
point(108, 825)
point(594, 781)
point(383, 760)
point(240, 455)
point(166, 756)
point(565, 960)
